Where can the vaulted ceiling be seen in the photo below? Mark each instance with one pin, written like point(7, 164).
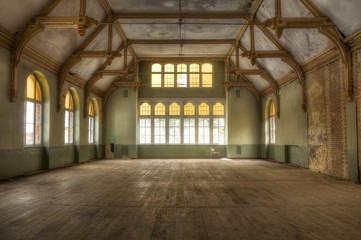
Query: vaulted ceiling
point(98, 40)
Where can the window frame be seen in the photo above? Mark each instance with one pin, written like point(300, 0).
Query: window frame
point(171, 114)
point(70, 120)
point(36, 102)
point(189, 72)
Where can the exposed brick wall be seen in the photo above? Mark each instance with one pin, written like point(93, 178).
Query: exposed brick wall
point(327, 120)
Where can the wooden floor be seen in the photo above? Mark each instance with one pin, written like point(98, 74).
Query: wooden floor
point(180, 199)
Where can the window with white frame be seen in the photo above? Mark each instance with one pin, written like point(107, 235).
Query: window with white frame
point(181, 122)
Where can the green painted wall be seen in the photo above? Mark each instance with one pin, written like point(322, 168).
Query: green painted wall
point(291, 127)
point(244, 122)
point(121, 121)
point(180, 151)
point(17, 159)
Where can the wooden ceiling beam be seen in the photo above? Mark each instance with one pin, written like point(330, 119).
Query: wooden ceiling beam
point(176, 15)
point(180, 41)
point(265, 54)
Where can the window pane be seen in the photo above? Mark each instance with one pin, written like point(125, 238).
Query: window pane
point(174, 109)
point(30, 87)
point(29, 137)
point(38, 123)
point(174, 131)
point(71, 128)
point(207, 80)
point(169, 68)
point(189, 131)
point(181, 68)
point(156, 68)
point(156, 80)
point(30, 110)
point(91, 109)
point(218, 130)
point(182, 80)
point(159, 130)
point(203, 130)
point(30, 123)
point(218, 109)
point(159, 109)
point(206, 68)
point(189, 109)
point(194, 80)
point(194, 68)
point(203, 109)
point(91, 130)
point(145, 125)
point(145, 109)
point(38, 92)
point(169, 80)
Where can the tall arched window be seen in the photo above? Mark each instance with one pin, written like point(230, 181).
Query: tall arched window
point(91, 125)
point(159, 123)
point(33, 112)
point(69, 119)
point(272, 124)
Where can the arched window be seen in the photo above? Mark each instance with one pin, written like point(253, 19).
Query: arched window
point(145, 109)
point(159, 109)
point(174, 109)
point(156, 75)
point(272, 123)
point(189, 109)
point(91, 125)
point(194, 75)
point(69, 118)
point(203, 109)
point(33, 112)
point(207, 75)
point(218, 109)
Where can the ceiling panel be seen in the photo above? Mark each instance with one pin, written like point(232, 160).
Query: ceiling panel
point(15, 14)
point(258, 82)
point(345, 14)
point(58, 43)
point(105, 82)
point(275, 66)
point(156, 49)
point(87, 67)
point(206, 49)
point(186, 6)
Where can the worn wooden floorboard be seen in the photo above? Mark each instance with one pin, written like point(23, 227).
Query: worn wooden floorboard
point(180, 199)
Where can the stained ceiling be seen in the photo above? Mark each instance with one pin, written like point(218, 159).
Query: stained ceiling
point(129, 30)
